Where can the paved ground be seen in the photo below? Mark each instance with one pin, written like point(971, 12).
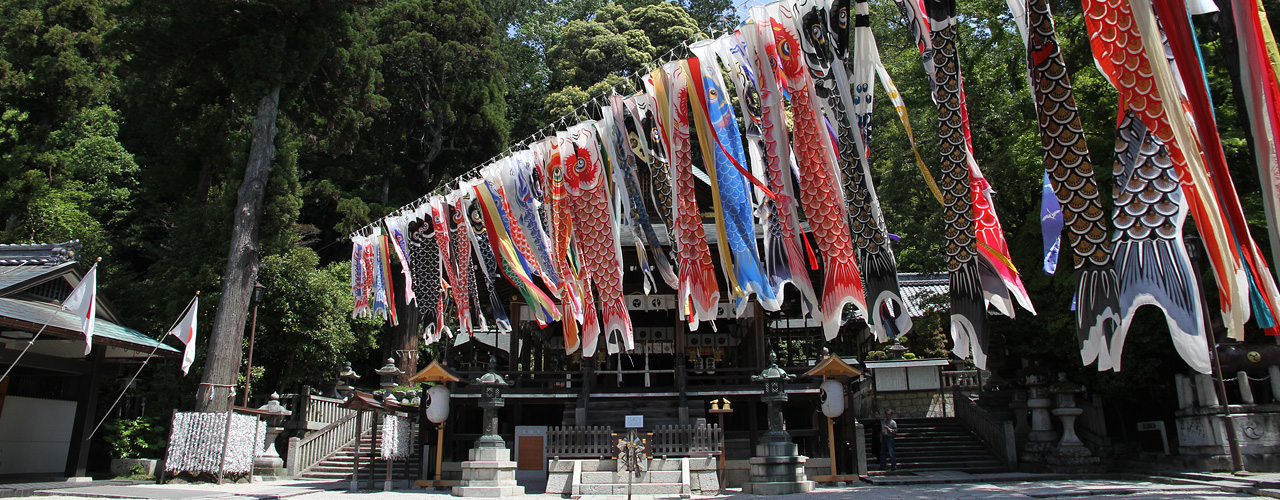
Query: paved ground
point(1200, 486)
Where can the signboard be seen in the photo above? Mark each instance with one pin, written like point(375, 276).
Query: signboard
point(635, 421)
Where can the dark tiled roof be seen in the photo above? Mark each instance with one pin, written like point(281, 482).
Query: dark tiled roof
point(44, 254)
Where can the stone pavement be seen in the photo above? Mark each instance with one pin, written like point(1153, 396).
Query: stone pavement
point(969, 487)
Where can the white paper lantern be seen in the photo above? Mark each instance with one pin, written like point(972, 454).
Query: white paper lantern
point(437, 404)
point(832, 398)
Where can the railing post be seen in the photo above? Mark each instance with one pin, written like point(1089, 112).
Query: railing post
point(291, 458)
point(860, 447)
point(1010, 445)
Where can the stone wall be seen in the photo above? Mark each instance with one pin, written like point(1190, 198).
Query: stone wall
point(908, 404)
point(1202, 437)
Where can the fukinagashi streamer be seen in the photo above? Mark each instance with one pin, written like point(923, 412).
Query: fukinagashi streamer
point(490, 270)
point(518, 182)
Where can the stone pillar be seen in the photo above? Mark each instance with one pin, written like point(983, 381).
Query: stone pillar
point(1042, 439)
point(1246, 392)
point(1186, 398)
point(1274, 371)
point(1205, 391)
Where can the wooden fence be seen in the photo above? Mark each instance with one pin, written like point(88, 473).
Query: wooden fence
point(665, 441)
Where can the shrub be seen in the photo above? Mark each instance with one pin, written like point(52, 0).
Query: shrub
point(140, 437)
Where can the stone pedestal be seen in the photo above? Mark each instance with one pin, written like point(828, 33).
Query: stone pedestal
point(489, 473)
point(1042, 439)
point(1071, 456)
point(777, 470)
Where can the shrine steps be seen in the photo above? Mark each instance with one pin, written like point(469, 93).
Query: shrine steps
point(665, 477)
point(339, 465)
point(938, 444)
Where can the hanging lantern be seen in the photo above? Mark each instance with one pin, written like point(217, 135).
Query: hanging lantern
point(437, 403)
point(831, 396)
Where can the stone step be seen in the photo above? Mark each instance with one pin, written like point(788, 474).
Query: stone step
point(636, 489)
point(669, 476)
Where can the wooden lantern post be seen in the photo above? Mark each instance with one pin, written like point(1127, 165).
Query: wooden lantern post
point(438, 373)
point(834, 367)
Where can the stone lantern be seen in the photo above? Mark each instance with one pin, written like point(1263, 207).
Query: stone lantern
point(346, 377)
point(269, 462)
point(491, 385)
point(775, 392)
point(490, 472)
point(776, 469)
point(389, 372)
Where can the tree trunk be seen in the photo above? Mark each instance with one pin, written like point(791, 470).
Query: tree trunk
point(226, 340)
point(404, 337)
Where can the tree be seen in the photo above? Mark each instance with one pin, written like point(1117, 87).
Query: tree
point(305, 329)
point(443, 80)
point(66, 174)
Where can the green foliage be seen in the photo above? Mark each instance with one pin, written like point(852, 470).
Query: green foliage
point(305, 330)
point(141, 437)
point(877, 355)
point(909, 355)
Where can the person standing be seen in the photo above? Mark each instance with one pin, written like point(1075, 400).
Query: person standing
point(888, 431)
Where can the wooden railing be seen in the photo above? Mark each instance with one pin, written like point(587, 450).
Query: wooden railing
point(305, 453)
point(686, 440)
point(996, 434)
point(322, 410)
point(963, 379)
point(592, 441)
point(665, 440)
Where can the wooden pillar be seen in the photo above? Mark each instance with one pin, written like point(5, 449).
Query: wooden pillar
point(512, 352)
point(682, 371)
point(86, 415)
point(762, 346)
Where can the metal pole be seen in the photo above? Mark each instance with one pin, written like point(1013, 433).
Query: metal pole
point(226, 436)
point(248, 371)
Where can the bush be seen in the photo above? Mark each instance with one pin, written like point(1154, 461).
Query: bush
point(140, 437)
point(877, 355)
point(909, 355)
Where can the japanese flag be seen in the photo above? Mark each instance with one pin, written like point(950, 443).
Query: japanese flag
point(186, 332)
point(84, 301)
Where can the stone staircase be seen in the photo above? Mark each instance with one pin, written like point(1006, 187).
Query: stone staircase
point(938, 444)
point(665, 477)
point(338, 466)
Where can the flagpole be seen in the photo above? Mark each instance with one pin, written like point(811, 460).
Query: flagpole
point(168, 332)
point(31, 342)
